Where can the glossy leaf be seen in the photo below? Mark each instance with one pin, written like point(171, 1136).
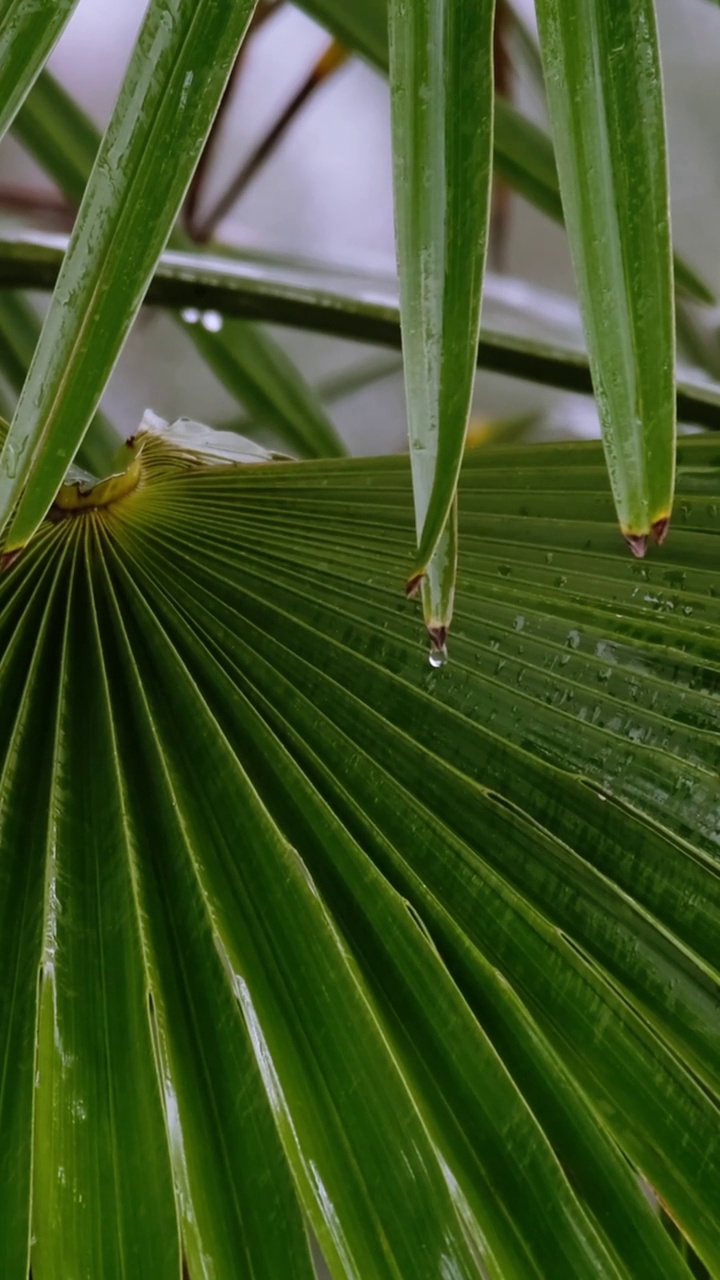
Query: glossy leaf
point(513, 338)
point(602, 75)
point(441, 87)
point(28, 32)
point(19, 333)
point(457, 1020)
point(247, 360)
point(98, 1121)
point(176, 76)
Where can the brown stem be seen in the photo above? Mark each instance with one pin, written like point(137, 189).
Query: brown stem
point(23, 200)
point(195, 192)
point(333, 57)
point(501, 195)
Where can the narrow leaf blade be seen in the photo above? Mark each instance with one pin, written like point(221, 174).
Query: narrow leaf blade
point(170, 94)
point(441, 81)
point(602, 75)
point(28, 32)
point(247, 360)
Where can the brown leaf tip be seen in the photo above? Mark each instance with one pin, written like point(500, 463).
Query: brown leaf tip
point(8, 558)
point(412, 585)
point(438, 645)
point(637, 543)
point(659, 530)
point(438, 636)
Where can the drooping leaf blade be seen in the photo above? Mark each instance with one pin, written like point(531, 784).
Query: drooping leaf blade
point(603, 82)
point(164, 111)
point(441, 86)
point(247, 360)
point(522, 151)
point(28, 33)
point(19, 333)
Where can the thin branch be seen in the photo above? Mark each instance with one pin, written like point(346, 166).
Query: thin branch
point(333, 57)
point(25, 200)
point(193, 200)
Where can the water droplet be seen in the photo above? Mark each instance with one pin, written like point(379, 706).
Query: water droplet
point(504, 570)
point(10, 461)
point(519, 622)
point(437, 657)
point(212, 321)
point(190, 315)
point(573, 640)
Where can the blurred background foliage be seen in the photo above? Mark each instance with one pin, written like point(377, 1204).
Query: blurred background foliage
point(324, 192)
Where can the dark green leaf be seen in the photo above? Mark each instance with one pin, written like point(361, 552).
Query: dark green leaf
point(28, 32)
point(99, 1133)
point(602, 76)
point(164, 111)
point(441, 87)
point(19, 333)
point(522, 152)
point(247, 360)
point(471, 974)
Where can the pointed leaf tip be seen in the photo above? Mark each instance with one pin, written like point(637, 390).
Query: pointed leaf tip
point(659, 530)
point(413, 584)
point(438, 635)
point(8, 558)
point(637, 543)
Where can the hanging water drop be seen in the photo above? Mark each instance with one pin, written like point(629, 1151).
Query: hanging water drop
point(190, 315)
point(438, 657)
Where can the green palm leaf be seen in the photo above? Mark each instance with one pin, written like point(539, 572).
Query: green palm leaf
point(169, 96)
point(439, 948)
point(28, 31)
point(440, 64)
point(604, 91)
point(247, 360)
